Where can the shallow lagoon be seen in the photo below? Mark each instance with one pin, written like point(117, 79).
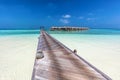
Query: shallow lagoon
point(100, 47)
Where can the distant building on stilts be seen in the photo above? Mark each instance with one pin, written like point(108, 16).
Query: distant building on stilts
point(68, 28)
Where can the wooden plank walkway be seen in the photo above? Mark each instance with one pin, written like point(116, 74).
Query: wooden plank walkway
point(60, 63)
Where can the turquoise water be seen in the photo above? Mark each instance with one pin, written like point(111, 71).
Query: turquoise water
point(101, 47)
point(18, 32)
point(91, 31)
point(88, 32)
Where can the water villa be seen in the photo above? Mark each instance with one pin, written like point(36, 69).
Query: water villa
point(68, 28)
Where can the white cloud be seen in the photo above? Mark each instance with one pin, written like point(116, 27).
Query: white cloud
point(66, 16)
point(81, 17)
point(65, 21)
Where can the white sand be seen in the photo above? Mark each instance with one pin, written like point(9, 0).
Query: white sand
point(102, 51)
point(17, 55)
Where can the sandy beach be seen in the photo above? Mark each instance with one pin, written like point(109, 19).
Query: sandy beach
point(102, 51)
point(17, 53)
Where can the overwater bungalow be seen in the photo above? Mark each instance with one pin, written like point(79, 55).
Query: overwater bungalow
point(68, 28)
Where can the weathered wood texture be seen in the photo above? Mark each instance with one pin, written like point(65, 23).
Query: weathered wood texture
point(60, 63)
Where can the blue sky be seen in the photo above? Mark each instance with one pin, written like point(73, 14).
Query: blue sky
point(30, 14)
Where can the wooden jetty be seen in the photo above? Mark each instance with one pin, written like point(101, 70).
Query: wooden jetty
point(58, 62)
point(68, 28)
